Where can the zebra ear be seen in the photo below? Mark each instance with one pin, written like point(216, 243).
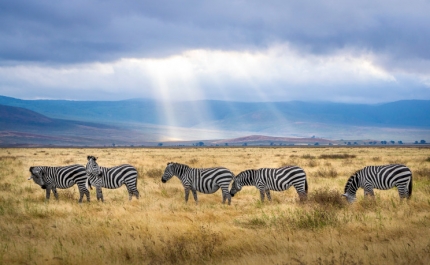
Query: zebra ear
point(88, 157)
point(345, 195)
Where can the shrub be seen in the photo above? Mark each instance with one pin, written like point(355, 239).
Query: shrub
point(312, 163)
point(336, 156)
point(327, 172)
point(421, 172)
point(154, 173)
point(193, 161)
point(326, 197)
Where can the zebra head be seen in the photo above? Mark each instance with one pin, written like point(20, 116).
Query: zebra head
point(38, 175)
point(92, 168)
point(236, 186)
point(168, 172)
point(351, 188)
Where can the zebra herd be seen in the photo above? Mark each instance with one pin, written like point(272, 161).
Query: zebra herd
point(209, 180)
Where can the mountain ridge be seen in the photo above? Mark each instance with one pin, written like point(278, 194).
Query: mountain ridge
point(137, 121)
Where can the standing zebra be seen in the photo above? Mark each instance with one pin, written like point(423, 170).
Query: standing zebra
point(205, 180)
point(51, 178)
point(277, 179)
point(112, 177)
point(381, 178)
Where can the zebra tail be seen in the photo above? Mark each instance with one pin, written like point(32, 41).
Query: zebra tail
point(410, 189)
point(306, 185)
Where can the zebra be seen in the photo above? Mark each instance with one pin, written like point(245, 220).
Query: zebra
point(51, 178)
point(205, 180)
point(382, 178)
point(112, 177)
point(277, 179)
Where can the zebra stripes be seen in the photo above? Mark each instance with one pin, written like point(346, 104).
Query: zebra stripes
point(382, 178)
point(277, 179)
point(205, 180)
point(112, 177)
point(51, 178)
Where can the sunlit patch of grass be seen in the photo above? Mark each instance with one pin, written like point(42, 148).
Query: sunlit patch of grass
point(160, 228)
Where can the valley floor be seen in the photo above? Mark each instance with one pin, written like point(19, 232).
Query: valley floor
point(160, 228)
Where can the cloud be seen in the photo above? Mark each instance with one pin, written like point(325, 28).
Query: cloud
point(240, 50)
point(277, 73)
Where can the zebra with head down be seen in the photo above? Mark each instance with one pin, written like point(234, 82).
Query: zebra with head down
point(277, 179)
point(51, 178)
point(205, 180)
point(382, 178)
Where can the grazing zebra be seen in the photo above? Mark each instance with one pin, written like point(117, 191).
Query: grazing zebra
point(381, 178)
point(277, 179)
point(51, 178)
point(205, 180)
point(112, 177)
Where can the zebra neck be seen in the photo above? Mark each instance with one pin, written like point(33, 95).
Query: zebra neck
point(179, 170)
point(353, 184)
point(246, 180)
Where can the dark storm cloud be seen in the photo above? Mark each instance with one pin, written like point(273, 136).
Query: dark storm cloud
point(85, 31)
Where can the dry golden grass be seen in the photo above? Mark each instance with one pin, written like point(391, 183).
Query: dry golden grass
point(160, 228)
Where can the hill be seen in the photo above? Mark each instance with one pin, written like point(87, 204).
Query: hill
point(139, 121)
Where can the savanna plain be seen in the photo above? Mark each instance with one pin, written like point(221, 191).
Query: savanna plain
point(160, 228)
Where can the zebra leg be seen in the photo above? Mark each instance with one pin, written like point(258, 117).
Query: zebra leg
point(195, 195)
point(226, 195)
point(268, 195)
point(48, 193)
point(187, 193)
point(132, 191)
point(99, 193)
point(403, 191)
point(262, 195)
point(83, 191)
point(368, 191)
point(54, 190)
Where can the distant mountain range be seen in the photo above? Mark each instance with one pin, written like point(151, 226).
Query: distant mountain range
point(143, 122)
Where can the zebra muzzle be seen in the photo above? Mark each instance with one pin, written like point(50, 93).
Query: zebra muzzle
point(163, 180)
point(43, 187)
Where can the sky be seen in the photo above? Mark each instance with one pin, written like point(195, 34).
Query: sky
point(335, 50)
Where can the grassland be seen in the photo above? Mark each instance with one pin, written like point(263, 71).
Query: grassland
point(160, 228)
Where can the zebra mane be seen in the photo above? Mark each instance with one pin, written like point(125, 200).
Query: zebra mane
point(178, 164)
point(350, 180)
point(92, 157)
point(246, 172)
